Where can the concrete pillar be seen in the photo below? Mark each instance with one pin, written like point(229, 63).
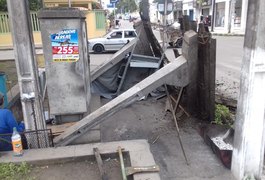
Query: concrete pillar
point(26, 66)
point(206, 74)
point(244, 15)
point(249, 140)
point(227, 12)
point(190, 52)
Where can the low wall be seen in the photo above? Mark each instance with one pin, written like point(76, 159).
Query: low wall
point(92, 32)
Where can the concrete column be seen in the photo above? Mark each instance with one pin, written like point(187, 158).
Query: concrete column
point(190, 52)
point(249, 140)
point(206, 74)
point(244, 15)
point(227, 12)
point(26, 66)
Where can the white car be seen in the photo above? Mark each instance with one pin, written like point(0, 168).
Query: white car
point(113, 41)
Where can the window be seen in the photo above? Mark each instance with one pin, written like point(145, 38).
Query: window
point(220, 15)
point(237, 13)
point(116, 35)
point(129, 34)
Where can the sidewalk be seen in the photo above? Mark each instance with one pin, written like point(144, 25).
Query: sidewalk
point(8, 53)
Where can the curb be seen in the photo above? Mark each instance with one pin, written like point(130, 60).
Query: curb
point(227, 34)
point(5, 48)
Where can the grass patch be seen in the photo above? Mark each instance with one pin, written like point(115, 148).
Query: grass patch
point(223, 115)
point(11, 171)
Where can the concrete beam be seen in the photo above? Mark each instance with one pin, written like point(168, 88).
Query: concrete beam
point(116, 58)
point(174, 73)
point(249, 140)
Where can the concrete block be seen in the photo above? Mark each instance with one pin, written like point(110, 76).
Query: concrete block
point(190, 37)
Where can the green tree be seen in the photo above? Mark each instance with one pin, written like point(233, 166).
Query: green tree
point(126, 6)
point(34, 5)
point(3, 6)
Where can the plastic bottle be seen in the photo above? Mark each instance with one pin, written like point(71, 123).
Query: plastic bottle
point(17, 143)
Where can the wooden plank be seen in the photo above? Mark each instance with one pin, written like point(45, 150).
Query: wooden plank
point(102, 171)
point(59, 129)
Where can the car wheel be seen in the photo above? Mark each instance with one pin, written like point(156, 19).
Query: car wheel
point(98, 48)
point(53, 122)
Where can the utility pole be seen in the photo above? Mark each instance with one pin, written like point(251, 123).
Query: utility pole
point(25, 58)
point(164, 27)
point(213, 15)
point(249, 139)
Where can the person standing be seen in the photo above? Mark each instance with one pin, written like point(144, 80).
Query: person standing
point(7, 123)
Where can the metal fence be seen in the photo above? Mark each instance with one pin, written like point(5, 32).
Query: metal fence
point(30, 140)
point(5, 27)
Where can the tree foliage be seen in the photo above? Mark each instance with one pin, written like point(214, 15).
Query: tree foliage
point(3, 6)
point(34, 5)
point(126, 6)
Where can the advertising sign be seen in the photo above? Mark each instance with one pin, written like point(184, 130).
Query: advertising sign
point(65, 46)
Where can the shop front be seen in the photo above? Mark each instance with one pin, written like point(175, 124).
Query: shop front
point(230, 16)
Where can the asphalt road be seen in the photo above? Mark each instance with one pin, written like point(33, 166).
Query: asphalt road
point(229, 56)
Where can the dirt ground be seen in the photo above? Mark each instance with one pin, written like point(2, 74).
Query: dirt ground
point(77, 170)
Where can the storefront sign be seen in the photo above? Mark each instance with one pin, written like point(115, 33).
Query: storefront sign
point(65, 46)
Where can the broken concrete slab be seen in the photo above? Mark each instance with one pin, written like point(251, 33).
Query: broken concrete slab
point(139, 154)
point(174, 73)
point(116, 58)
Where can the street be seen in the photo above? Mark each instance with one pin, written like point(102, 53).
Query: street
point(229, 53)
point(228, 61)
point(229, 56)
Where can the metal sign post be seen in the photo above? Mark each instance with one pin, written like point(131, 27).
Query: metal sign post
point(114, 4)
point(165, 7)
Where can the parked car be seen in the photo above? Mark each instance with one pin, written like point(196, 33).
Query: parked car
point(113, 41)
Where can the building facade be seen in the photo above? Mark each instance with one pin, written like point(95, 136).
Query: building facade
point(95, 18)
point(229, 16)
